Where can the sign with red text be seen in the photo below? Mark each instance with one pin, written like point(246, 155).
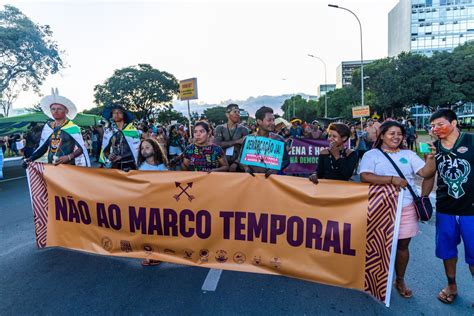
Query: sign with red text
point(188, 89)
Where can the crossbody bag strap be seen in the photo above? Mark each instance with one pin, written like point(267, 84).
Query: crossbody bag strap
point(400, 173)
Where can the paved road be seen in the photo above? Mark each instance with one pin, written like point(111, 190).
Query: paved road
point(58, 281)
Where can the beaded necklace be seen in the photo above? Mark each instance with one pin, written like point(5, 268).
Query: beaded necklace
point(391, 151)
point(56, 137)
point(332, 160)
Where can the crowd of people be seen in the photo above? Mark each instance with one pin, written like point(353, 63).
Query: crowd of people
point(382, 148)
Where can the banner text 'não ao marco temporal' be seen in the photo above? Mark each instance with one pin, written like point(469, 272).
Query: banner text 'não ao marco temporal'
point(334, 233)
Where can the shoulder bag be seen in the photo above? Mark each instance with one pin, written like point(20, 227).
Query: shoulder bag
point(423, 206)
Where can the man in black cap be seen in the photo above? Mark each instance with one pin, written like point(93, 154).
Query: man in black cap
point(121, 140)
point(230, 136)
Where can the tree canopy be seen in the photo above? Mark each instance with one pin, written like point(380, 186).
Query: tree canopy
point(443, 80)
point(28, 54)
point(302, 108)
point(216, 115)
point(167, 115)
point(141, 89)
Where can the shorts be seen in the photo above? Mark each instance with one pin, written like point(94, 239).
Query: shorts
point(449, 231)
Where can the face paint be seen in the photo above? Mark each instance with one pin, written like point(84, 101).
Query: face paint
point(443, 131)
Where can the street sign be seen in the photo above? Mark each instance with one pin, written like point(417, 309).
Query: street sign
point(188, 89)
point(360, 111)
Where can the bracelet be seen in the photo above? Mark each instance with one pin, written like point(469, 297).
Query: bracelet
point(69, 157)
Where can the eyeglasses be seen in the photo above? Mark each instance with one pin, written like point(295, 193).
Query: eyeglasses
point(233, 111)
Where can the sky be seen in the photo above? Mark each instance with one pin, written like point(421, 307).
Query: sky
point(236, 49)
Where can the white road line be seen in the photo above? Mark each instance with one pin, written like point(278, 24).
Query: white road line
point(212, 279)
point(13, 179)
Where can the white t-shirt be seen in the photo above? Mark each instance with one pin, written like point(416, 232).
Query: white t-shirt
point(374, 161)
point(147, 167)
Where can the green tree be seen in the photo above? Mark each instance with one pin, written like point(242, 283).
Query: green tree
point(463, 70)
point(168, 115)
point(95, 110)
point(216, 115)
point(340, 102)
point(395, 83)
point(140, 89)
point(443, 80)
point(303, 109)
point(35, 108)
point(452, 80)
point(194, 117)
point(28, 54)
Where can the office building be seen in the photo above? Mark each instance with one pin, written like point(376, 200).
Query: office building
point(426, 26)
point(325, 88)
point(344, 72)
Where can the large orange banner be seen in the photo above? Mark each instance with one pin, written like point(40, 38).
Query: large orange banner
point(337, 233)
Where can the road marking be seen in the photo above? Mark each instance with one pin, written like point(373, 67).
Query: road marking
point(13, 179)
point(212, 279)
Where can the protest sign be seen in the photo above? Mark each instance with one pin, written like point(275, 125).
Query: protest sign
point(304, 155)
point(337, 233)
point(262, 152)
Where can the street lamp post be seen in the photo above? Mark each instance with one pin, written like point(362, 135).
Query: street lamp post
point(326, 84)
point(361, 52)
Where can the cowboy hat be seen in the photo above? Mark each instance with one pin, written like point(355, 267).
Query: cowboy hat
point(107, 113)
point(55, 98)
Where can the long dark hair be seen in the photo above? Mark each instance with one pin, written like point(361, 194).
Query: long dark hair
point(159, 155)
point(384, 128)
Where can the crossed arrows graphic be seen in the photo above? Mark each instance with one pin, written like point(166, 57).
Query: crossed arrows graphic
point(183, 190)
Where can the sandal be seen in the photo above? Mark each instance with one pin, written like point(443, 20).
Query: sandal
point(403, 290)
point(446, 297)
point(150, 262)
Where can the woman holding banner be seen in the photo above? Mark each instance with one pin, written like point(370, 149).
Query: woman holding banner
point(376, 168)
point(336, 162)
point(202, 155)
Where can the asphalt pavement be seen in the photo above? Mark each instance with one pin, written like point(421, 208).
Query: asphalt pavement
point(59, 281)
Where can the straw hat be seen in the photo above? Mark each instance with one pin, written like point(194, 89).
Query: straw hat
point(55, 98)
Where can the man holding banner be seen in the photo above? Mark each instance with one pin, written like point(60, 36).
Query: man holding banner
point(264, 151)
point(62, 139)
point(121, 140)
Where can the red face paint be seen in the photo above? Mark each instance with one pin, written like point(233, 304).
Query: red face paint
point(443, 131)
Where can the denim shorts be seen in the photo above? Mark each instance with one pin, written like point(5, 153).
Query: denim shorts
point(450, 229)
